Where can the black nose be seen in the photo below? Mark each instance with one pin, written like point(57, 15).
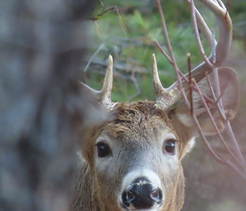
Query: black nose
point(141, 194)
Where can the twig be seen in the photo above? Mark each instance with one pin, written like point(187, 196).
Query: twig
point(98, 27)
point(227, 7)
point(198, 39)
point(238, 151)
point(122, 25)
point(239, 24)
point(101, 3)
point(190, 82)
point(163, 52)
point(93, 55)
point(213, 121)
point(101, 14)
point(242, 174)
point(215, 100)
point(133, 79)
point(169, 47)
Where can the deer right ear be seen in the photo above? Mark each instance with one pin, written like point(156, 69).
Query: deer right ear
point(229, 86)
point(94, 118)
point(86, 143)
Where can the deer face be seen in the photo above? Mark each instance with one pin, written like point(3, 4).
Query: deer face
point(137, 159)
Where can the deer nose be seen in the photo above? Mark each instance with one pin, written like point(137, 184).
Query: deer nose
point(141, 194)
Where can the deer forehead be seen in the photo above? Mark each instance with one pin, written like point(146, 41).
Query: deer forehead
point(138, 121)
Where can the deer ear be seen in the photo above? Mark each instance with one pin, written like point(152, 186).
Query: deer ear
point(229, 86)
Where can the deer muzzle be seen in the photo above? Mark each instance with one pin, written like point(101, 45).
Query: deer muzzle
point(141, 190)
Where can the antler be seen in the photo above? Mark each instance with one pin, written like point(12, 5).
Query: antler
point(104, 95)
point(167, 97)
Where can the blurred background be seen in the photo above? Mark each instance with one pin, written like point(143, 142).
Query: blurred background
point(42, 107)
point(210, 186)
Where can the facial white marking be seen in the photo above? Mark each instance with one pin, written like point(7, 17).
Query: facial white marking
point(191, 144)
point(166, 136)
point(102, 137)
point(79, 154)
point(150, 175)
point(155, 209)
point(131, 208)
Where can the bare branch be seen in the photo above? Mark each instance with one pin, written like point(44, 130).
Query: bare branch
point(190, 82)
point(219, 51)
point(122, 25)
point(163, 52)
point(198, 39)
point(93, 55)
point(238, 151)
point(213, 121)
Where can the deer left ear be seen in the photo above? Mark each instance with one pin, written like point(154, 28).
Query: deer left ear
point(229, 87)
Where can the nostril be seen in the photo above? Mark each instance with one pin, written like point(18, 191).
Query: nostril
point(156, 195)
point(127, 197)
point(130, 195)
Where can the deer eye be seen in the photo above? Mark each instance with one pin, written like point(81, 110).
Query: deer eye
point(169, 146)
point(103, 150)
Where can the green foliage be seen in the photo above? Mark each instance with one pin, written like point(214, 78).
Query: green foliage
point(144, 26)
point(136, 50)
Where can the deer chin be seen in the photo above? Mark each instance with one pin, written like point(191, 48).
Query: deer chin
point(133, 209)
point(155, 207)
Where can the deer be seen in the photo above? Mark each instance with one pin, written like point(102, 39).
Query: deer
point(133, 161)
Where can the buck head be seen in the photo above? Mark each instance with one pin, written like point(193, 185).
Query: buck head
point(134, 161)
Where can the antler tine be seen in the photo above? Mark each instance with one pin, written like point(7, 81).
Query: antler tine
point(159, 90)
point(104, 95)
point(222, 47)
point(164, 98)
